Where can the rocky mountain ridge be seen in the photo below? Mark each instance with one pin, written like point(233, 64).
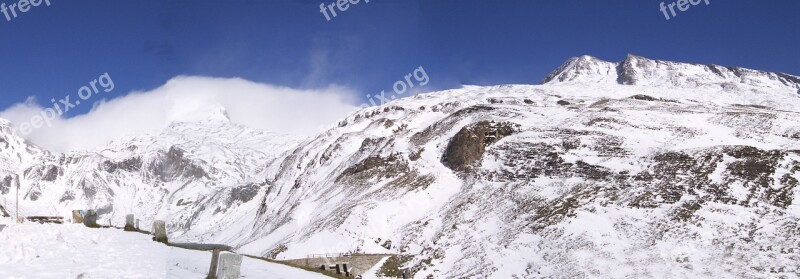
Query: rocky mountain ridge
point(637, 70)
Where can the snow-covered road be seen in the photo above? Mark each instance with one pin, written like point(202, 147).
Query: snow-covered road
point(67, 251)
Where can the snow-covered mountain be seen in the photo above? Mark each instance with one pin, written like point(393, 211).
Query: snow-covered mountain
point(171, 175)
point(642, 168)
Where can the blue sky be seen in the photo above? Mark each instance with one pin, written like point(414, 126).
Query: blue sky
point(49, 52)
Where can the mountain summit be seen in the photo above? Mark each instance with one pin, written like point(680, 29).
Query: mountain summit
point(638, 70)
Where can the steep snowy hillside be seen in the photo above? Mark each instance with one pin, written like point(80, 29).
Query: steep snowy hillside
point(548, 181)
point(15, 153)
point(567, 179)
point(638, 169)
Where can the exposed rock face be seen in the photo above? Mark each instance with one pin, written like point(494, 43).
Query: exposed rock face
point(245, 193)
point(44, 173)
point(3, 212)
point(130, 165)
point(174, 165)
point(375, 167)
point(5, 184)
point(51, 173)
point(469, 144)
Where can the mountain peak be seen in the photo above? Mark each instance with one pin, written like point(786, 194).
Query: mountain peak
point(212, 114)
point(586, 68)
point(4, 124)
point(639, 70)
point(218, 114)
point(633, 57)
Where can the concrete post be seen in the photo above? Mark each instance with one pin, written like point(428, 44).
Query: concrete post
point(160, 231)
point(129, 225)
point(230, 266)
point(76, 217)
point(212, 271)
point(90, 220)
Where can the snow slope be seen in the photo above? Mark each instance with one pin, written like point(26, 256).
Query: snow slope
point(67, 251)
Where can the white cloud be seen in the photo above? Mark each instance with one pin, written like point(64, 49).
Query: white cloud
point(257, 105)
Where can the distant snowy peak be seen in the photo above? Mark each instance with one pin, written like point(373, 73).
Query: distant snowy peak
point(637, 70)
point(584, 69)
point(15, 151)
point(207, 136)
point(6, 127)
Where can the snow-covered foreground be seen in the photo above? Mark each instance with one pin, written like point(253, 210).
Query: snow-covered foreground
point(66, 251)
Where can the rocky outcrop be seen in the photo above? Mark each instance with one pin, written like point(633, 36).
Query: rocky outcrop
point(5, 184)
point(174, 165)
point(468, 145)
point(130, 165)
